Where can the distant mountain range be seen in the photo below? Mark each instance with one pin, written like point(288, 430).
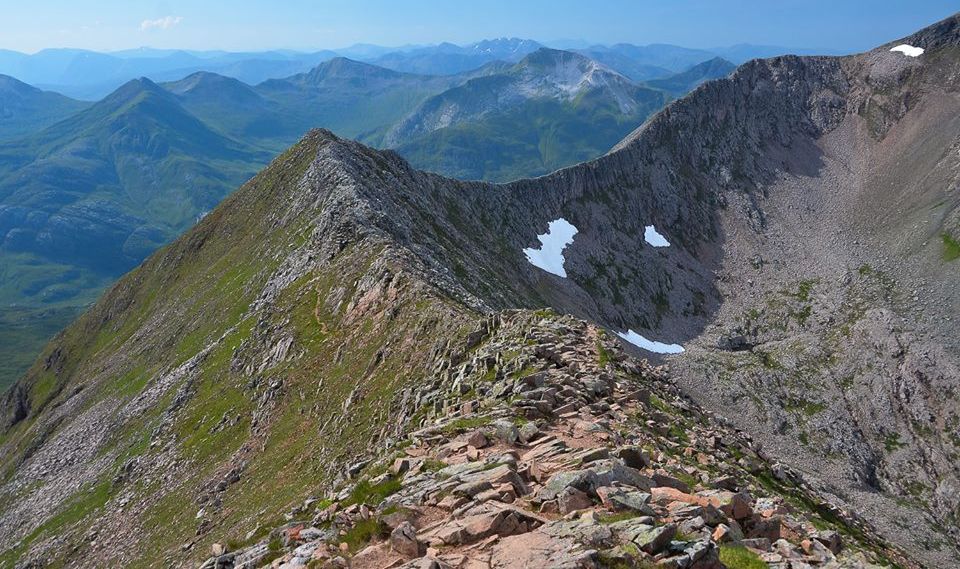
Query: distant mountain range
point(87, 190)
point(91, 75)
point(447, 58)
point(552, 109)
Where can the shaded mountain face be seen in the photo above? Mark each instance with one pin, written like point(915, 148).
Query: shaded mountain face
point(233, 107)
point(24, 108)
point(682, 83)
point(322, 312)
point(551, 109)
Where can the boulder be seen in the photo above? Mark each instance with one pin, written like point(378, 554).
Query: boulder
point(618, 500)
point(758, 543)
point(740, 506)
point(571, 499)
point(633, 456)
point(830, 539)
point(650, 539)
point(403, 540)
point(528, 432)
point(400, 466)
point(654, 540)
point(506, 431)
point(724, 533)
point(665, 480)
point(478, 440)
point(607, 472)
point(759, 527)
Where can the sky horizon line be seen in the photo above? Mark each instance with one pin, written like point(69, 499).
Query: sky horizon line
point(546, 43)
point(304, 25)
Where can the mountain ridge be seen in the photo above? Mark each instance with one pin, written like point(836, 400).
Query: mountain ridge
point(352, 97)
point(24, 107)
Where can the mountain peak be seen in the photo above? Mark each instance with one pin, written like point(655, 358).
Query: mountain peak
point(345, 68)
point(133, 89)
point(12, 85)
point(209, 86)
point(550, 56)
point(547, 75)
point(25, 109)
point(568, 70)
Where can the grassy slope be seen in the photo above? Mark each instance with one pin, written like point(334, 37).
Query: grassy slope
point(192, 297)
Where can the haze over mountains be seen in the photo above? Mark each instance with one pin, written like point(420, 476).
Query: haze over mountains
point(91, 75)
point(87, 190)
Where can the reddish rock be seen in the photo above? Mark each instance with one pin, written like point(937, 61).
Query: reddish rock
point(664, 495)
point(404, 541)
point(571, 500)
point(665, 480)
point(759, 527)
point(830, 539)
point(478, 440)
point(740, 506)
point(473, 454)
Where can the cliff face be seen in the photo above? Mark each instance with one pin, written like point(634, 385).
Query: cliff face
point(809, 204)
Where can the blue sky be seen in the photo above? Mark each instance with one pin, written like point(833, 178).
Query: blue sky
point(303, 24)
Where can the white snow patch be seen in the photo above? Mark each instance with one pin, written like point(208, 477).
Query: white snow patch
point(650, 345)
point(653, 237)
point(908, 50)
point(549, 256)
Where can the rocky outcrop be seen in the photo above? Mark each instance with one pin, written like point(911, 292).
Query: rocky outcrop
point(579, 492)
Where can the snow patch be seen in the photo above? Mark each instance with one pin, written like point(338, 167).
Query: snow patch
point(908, 50)
point(653, 237)
point(650, 345)
point(549, 256)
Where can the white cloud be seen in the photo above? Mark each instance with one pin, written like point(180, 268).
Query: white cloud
point(164, 23)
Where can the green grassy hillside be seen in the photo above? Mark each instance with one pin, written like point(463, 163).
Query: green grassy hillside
point(88, 198)
point(25, 109)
